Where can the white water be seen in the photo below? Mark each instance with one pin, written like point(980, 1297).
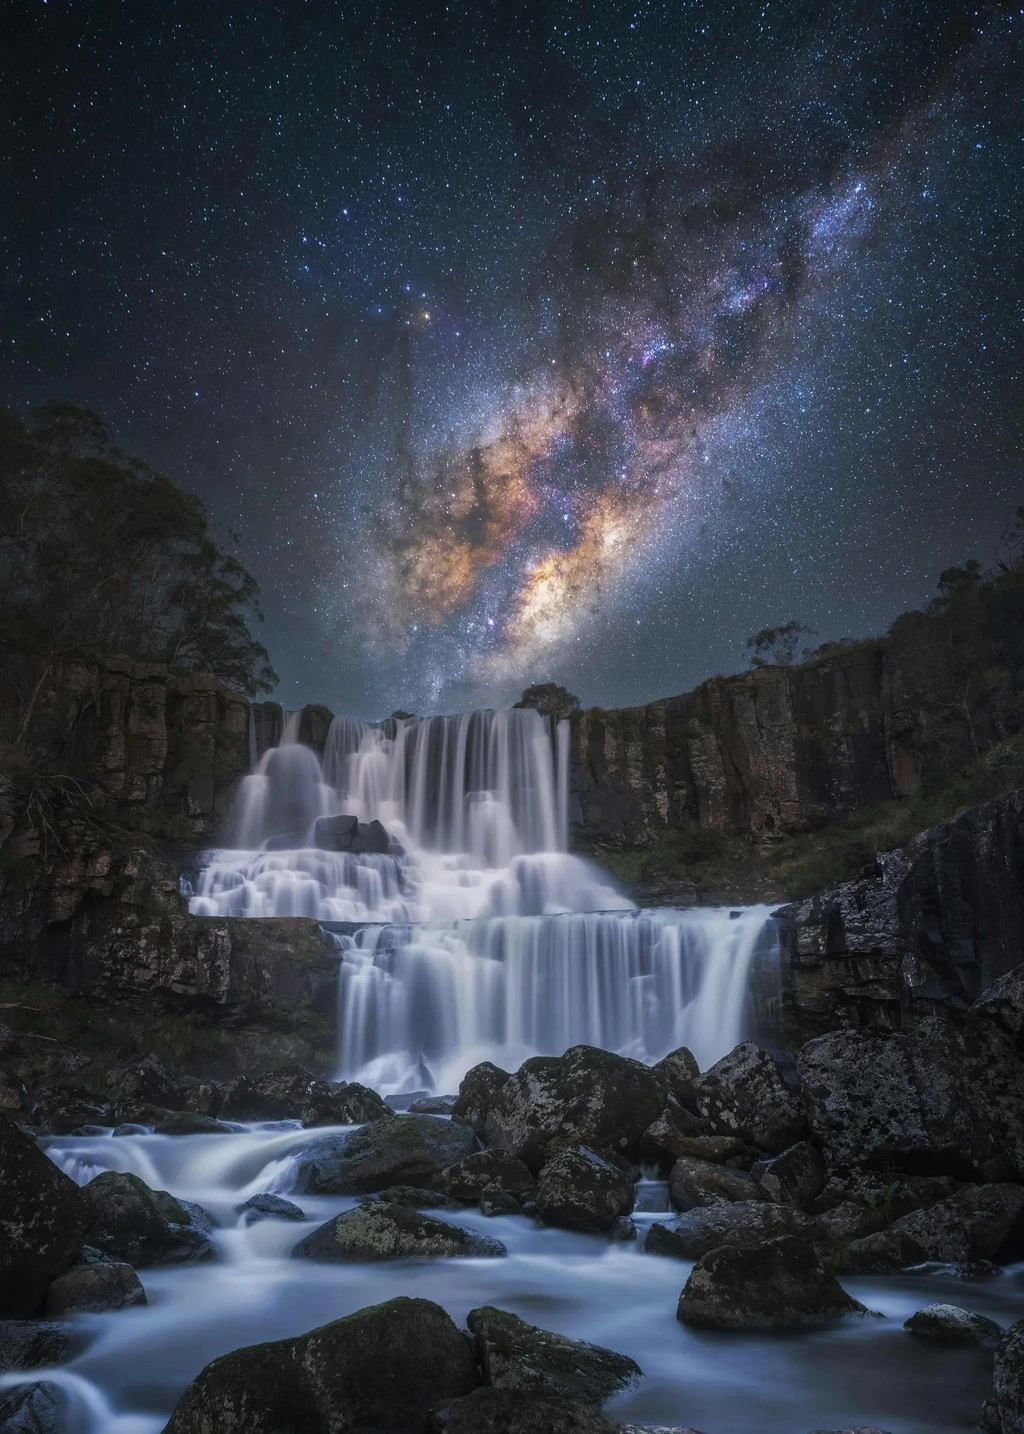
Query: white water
point(138, 1361)
point(478, 936)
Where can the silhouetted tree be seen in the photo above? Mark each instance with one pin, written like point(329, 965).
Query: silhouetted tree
point(550, 700)
point(776, 646)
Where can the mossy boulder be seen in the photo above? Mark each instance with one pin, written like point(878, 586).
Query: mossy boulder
point(396, 1150)
point(381, 1230)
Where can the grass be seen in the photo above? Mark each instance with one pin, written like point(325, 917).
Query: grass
point(789, 868)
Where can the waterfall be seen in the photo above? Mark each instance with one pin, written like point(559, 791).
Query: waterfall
point(470, 933)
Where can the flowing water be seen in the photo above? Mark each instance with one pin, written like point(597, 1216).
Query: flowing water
point(476, 935)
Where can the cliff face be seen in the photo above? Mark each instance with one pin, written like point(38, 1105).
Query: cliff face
point(924, 933)
point(778, 749)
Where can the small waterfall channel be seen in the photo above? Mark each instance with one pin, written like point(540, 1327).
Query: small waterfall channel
point(469, 932)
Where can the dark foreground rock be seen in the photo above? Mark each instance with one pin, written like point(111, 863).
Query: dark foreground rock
point(191, 1122)
point(518, 1356)
point(94, 1285)
point(796, 1177)
point(486, 1170)
point(268, 1207)
point(585, 1097)
point(742, 1224)
point(37, 1408)
point(579, 1190)
point(381, 1369)
point(693, 1182)
point(994, 1038)
point(744, 1095)
point(950, 1325)
point(477, 1093)
point(395, 1150)
point(44, 1218)
point(979, 1222)
point(500, 1411)
point(380, 1231)
point(1004, 1412)
point(291, 1093)
point(146, 1227)
point(780, 1284)
point(36, 1344)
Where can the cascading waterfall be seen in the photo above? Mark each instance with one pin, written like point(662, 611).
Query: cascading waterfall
point(475, 935)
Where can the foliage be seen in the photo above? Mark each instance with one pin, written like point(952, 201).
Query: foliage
point(399, 716)
point(550, 700)
point(99, 554)
point(776, 646)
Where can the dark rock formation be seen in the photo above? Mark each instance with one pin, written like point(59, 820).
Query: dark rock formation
point(780, 1284)
point(37, 1408)
point(694, 1182)
point(979, 1222)
point(585, 1097)
point(744, 1095)
point(395, 1150)
point(190, 1122)
point(742, 1224)
point(950, 1325)
point(291, 1093)
point(477, 1094)
point(677, 1072)
point(994, 1037)
point(796, 1177)
point(36, 1344)
point(93, 1285)
point(579, 1190)
point(486, 1170)
point(519, 1356)
point(1004, 1412)
point(504, 1411)
point(44, 1219)
point(380, 1230)
point(269, 1207)
point(144, 1226)
point(383, 1368)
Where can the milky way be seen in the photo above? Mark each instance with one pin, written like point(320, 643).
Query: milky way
point(562, 342)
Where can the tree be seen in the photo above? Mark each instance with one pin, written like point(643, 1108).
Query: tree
point(550, 700)
point(776, 646)
point(99, 554)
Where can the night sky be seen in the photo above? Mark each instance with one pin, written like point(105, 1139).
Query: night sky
point(527, 341)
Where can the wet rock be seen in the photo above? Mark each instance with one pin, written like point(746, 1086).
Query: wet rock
point(743, 1224)
point(64, 1109)
point(951, 1325)
point(477, 1093)
point(13, 1095)
point(371, 837)
point(433, 1105)
point(675, 1429)
point(850, 1220)
point(1004, 1412)
point(486, 1170)
point(94, 1285)
point(677, 1073)
point(698, 1182)
point(395, 1150)
point(383, 1368)
point(380, 1231)
point(291, 1093)
point(44, 1219)
point(587, 1097)
point(335, 833)
point(190, 1122)
point(883, 1253)
point(853, 1429)
point(130, 1127)
point(500, 1411)
point(744, 1095)
point(676, 1132)
point(146, 1227)
point(416, 1198)
point(37, 1408)
point(495, 1201)
point(143, 1081)
point(268, 1207)
point(895, 1099)
point(519, 1356)
point(36, 1344)
point(796, 1177)
point(994, 1040)
point(623, 1230)
point(979, 1222)
point(580, 1190)
point(779, 1284)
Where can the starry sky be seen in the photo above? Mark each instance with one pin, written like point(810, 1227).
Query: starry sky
point(525, 341)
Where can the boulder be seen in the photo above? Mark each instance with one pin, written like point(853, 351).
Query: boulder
point(845, 1222)
point(94, 1285)
point(383, 1369)
point(744, 1224)
point(146, 1227)
point(291, 1093)
point(677, 1073)
point(676, 1132)
point(477, 1093)
point(190, 1122)
point(143, 1081)
point(268, 1207)
point(486, 1170)
point(37, 1408)
point(580, 1190)
point(587, 1097)
point(994, 1040)
point(44, 1219)
point(895, 1099)
point(501, 1411)
point(744, 1095)
point(698, 1182)
point(395, 1150)
point(495, 1201)
point(1004, 1412)
point(883, 1253)
point(64, 1109)
point(796, 1177)
point(519, 1356)
point(371, 838)
point(416, 1198)
point(433, 1105)
point(979, 1222)
point(779, 1284)
point(335, 833)
point(36, 1344)
point(951, 1325)
point(379, 1231)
